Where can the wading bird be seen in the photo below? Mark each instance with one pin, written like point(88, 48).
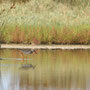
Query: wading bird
point(27, 51)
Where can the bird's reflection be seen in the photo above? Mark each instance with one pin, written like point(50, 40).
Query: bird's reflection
point(28, 66)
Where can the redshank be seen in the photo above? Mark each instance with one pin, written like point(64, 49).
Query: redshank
point(27, 51)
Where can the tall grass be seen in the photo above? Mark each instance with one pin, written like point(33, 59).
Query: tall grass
point(70, 2)
point(82, 3)
point(45, 22)
point(46, 35)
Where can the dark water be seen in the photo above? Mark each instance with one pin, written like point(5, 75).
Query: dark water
point(46, 70)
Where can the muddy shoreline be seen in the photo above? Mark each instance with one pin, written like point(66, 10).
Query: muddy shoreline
point(25, 46)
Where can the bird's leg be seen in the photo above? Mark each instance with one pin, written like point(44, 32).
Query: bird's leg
point(26, 59)
point(29, 59)
point(22, 56)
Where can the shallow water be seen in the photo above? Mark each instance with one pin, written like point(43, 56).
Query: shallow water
point(46, 70)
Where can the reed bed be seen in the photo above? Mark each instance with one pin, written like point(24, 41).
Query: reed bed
point(45, 35)
point(45, 22)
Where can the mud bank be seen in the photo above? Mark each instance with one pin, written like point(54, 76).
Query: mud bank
point(25, 46)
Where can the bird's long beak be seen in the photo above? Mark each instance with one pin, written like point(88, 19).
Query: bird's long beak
point(35, 51)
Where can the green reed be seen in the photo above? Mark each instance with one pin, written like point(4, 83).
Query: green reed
point(46, 35)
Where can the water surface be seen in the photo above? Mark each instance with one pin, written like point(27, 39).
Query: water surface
point(46, 70)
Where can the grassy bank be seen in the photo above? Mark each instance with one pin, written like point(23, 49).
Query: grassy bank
point(45, 22)
point(46, 35)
